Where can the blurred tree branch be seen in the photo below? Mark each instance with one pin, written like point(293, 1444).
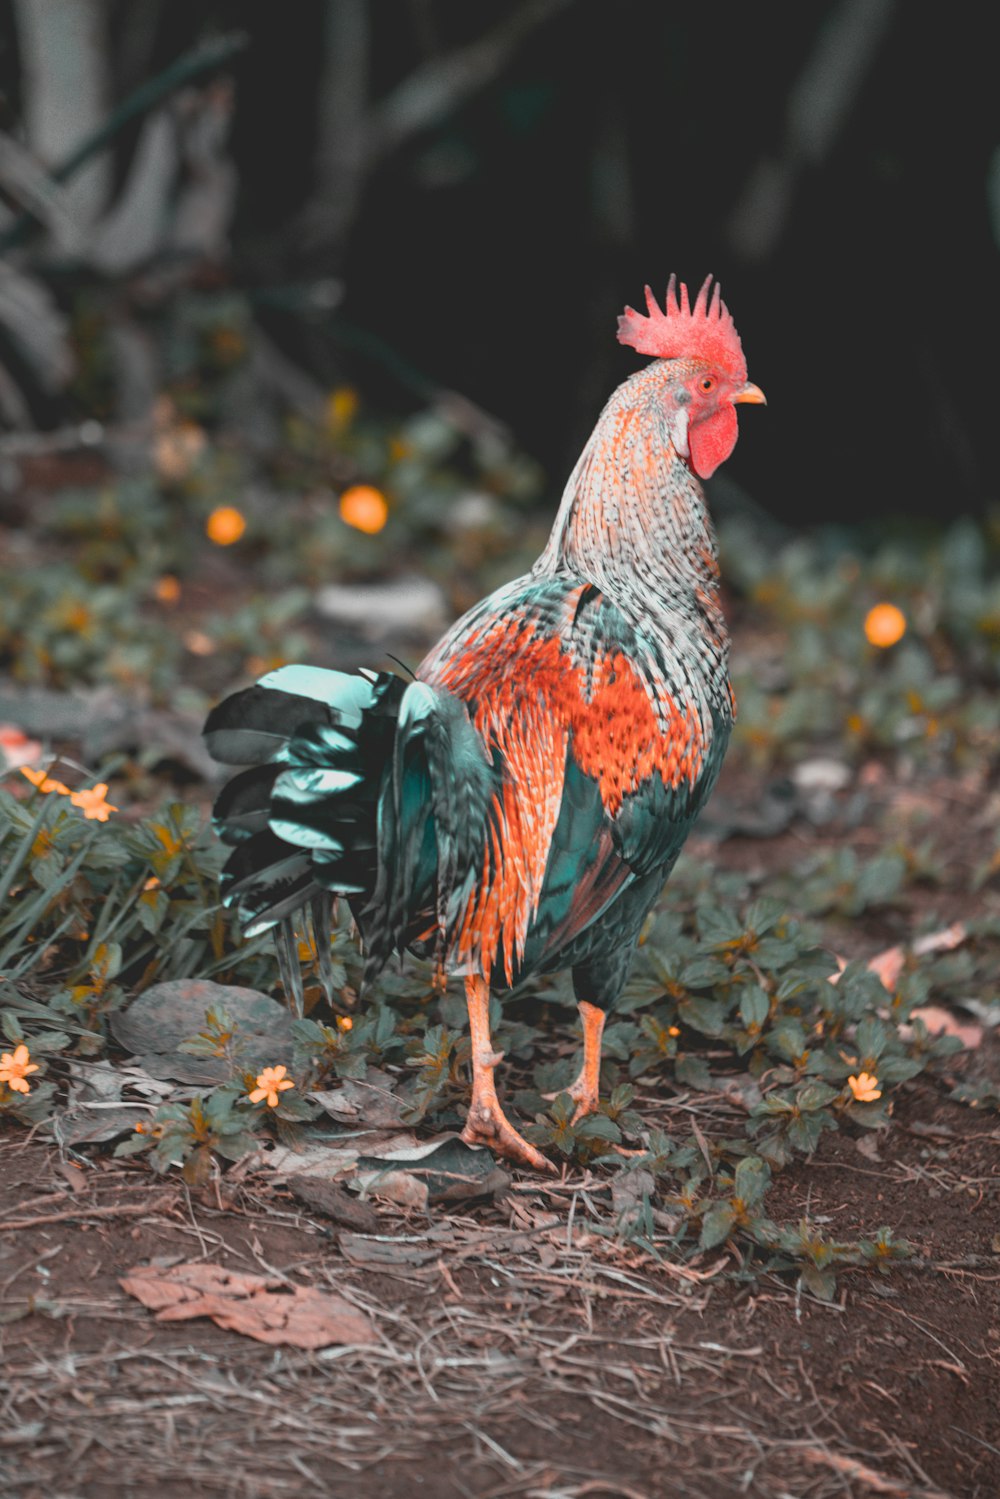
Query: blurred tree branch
point(818, 105)
point(355, 137)
point(438, 87)
point(201, 60)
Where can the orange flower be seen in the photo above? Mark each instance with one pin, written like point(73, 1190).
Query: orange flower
point(167, 589)
point(94, 803)
point(673, 1030)
point(884, 625)
point(364, 508)
point(865, 1087)
point(344, 1023)
point(40, 780)
point(14, 1068)
point(225, 525)
point(270, 1083)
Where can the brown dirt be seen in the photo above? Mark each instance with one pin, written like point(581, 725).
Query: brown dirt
point(521, 1353)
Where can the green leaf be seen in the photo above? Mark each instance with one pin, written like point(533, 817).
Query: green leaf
point(693, 1073)
point(717, 1225)
point(705, 1015)
point(815, 1094)
point(751, 1180)
point(871, 1037)
point(755, 1005)
point(11, 1026)
point(804, 1133)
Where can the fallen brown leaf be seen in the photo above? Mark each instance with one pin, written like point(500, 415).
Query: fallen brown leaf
point(888, 964)
point(257, 1306)
point(942, 1022)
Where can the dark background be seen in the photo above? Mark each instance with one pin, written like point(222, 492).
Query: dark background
point(831, 163)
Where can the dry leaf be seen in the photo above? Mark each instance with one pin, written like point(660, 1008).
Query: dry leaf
point(326, 1155)
point(888, 964)
point(942, 1022)
point(368, 1103)
point(257, 1306)
point(385, 1252)
point(400, 1187)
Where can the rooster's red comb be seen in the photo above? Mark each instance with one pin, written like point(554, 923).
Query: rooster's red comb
point(704, 331)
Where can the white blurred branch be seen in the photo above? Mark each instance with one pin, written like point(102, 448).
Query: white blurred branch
point(66, 85)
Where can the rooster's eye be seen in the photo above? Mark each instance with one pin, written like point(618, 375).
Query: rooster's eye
point(706, 384)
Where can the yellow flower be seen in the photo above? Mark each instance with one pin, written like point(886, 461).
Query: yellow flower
point(341, 408)
point(270, 1083)
point(94, 803)
point(364, 508)
point(865, 1087)
point(14, 1068)
point(40, 780)
point(225, 525)
point(884, 625)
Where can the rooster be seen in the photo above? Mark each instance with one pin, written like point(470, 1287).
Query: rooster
point(517, 807)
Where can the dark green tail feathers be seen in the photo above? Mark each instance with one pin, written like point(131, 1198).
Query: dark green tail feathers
point(359, 785)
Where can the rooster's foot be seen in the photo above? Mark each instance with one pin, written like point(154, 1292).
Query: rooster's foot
point(488, 1125)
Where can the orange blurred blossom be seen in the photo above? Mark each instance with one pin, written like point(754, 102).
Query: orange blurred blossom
point(225, 525)
point(41, 781)
point(167, 589)
point(885, 625)
point(364, 508)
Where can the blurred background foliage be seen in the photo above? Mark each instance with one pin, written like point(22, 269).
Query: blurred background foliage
point(424, 197)
point(302, 325)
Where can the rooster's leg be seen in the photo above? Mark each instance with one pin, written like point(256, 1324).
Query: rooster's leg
point(585, 1089)
point(487, 1124)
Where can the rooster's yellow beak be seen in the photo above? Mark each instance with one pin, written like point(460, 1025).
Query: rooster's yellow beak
point(751, 394)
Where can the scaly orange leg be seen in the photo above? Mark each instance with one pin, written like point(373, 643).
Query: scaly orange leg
point(487, 1124)
point(585, 1089)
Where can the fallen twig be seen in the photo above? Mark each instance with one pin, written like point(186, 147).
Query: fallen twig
point(123, 1210)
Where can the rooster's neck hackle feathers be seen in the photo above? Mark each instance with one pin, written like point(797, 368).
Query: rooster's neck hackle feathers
point(633, 518)
point(705, 331)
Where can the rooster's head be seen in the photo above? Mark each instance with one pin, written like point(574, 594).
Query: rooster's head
point(709, 373)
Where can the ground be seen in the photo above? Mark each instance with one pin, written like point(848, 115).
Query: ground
point(521, 1350)
point(518, 1353)
point(539, 1340)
